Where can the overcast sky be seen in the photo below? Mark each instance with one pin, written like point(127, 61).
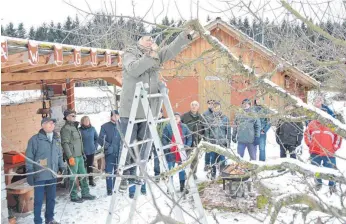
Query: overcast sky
point(35, 12)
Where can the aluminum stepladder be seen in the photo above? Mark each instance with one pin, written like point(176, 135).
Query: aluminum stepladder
point(141, 96)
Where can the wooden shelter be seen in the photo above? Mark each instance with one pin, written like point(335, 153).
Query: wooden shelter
point(25, 64)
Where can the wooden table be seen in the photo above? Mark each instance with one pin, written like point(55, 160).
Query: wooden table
point(11, 168)
point(99, 161)
point(20, 196)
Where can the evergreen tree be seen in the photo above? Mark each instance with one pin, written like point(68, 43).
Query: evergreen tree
point(32, 33)
point(233, 22)
point(10, 30)
point(240, 24)
point(246, 26)
point(21, 32)
point(51, 36)
point(42, 33)
point(2, 31)
point(329, 27)
point(59, 34)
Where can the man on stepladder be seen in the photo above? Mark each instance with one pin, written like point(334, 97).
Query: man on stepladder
point(142, 63)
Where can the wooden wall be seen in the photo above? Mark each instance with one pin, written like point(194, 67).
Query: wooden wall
point(18, 124)
point(210, 72)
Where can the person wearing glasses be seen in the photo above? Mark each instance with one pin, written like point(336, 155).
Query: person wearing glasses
point(72, 144)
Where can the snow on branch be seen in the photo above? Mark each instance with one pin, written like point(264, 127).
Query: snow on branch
point(308, 170)
point(312, 112)
point(313, 203)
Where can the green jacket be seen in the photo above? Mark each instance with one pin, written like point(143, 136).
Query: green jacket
point(71, 140)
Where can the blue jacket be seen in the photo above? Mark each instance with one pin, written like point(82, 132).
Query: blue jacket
point(265, 124)
point(90, 138)
point(219, 131)
point(167, 138)
point(326, 109)
point(110, 139)
point(47, 154)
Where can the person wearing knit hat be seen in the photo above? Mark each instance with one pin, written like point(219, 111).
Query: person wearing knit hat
point(247, 130)
point(72, 144)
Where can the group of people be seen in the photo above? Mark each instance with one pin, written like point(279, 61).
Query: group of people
point(78, 143)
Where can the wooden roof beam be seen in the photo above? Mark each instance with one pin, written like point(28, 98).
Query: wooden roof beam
point(13, 77)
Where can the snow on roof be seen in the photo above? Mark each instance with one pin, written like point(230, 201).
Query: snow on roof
point(261, 47)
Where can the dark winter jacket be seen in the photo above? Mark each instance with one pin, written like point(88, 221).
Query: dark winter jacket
point(247, 128)
point(289, 133)
point(195, 123)
point(90, 138)
point(167, 139)
point(47, 154)
point(71, 139)
point(265, 124)
point(139, 67)
point(208, 116)
point(220, 130)
point(110, 138)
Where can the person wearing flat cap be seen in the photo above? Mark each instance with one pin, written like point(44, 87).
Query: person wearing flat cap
point(110, 140)
point(72, 144)
point(44, 155)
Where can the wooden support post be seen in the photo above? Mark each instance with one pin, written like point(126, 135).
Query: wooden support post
point(70, 94)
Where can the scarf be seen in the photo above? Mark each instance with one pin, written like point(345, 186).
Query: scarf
point(174, 149)
point(50, 136)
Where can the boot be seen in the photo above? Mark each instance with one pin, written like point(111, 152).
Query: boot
point(206, 168)
point(77, 200)
point(332, 189)
point(88, 197)
point(109, 192)
point(182, 187)
point(318, 187)
point(91, 181)
point(123, 185)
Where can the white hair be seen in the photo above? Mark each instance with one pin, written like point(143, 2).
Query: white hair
point(194, 102)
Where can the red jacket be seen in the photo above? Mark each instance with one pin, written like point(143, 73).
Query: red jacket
point(321, 140)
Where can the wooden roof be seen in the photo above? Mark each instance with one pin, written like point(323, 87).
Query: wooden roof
point(24, 63)
point(290, 69)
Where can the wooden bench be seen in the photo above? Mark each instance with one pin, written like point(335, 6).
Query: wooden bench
point(20, 196)
point(11, 169)
point(99, 161)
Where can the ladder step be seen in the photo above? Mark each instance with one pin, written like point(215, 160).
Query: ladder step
point(168, 146)
point(141, 142)
point(132, 165)
point(140, 120)
point(155, 95)
point(162, 120)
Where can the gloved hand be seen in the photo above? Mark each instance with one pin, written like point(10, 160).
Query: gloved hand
point(257, 141)
point(30, 179)
point(84, 157)
point(71, 161)
point(234, 139)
